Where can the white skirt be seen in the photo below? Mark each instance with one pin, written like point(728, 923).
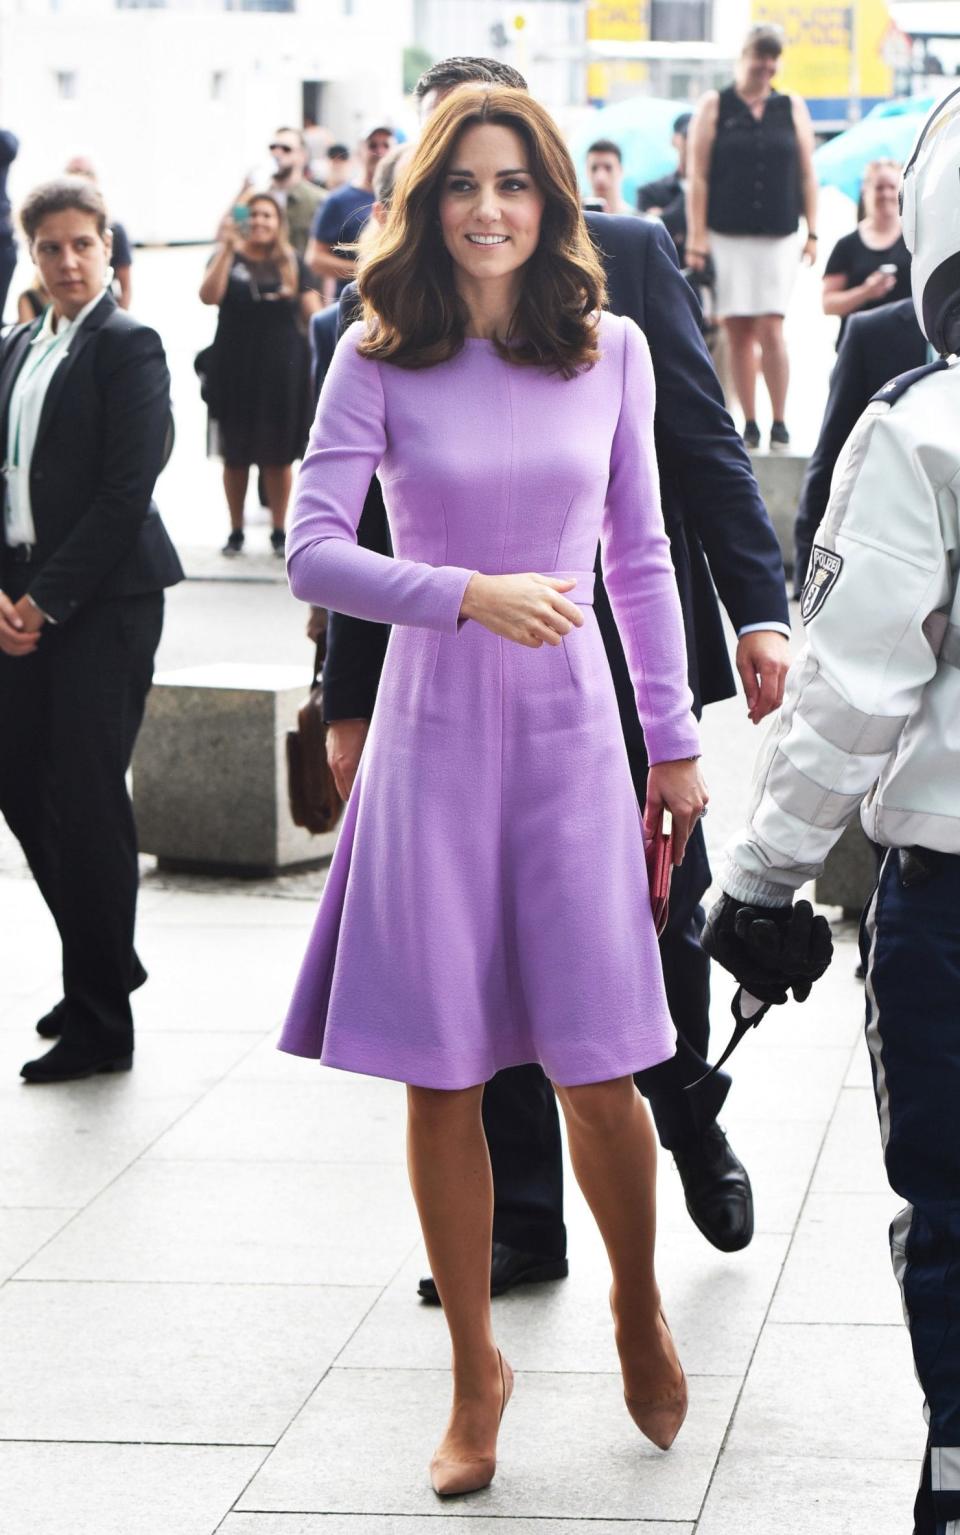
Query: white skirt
point(755, 273)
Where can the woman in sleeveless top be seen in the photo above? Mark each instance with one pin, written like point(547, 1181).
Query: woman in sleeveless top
point(751, 178)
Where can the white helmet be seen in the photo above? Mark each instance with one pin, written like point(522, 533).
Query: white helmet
point(930, 204)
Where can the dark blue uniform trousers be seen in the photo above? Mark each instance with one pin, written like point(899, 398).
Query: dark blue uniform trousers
point(910, 944)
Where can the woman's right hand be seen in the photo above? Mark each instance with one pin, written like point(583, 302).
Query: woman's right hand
point(529, 609)
point(878, 284)
point(228, 235)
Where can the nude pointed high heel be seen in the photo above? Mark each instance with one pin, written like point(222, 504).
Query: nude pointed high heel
point(454, 1478)
point(660, 1419)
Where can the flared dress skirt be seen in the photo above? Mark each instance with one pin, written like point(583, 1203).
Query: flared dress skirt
point(487, 901)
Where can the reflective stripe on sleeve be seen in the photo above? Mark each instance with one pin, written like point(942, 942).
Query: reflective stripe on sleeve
point(828, 712)
point(807, 800)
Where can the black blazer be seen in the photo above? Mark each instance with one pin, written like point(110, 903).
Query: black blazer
point(876, 347)
point(711, 505)
point(98, 452)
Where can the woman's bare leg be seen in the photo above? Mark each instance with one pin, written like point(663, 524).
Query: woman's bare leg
point(235, 487)
point(453, 1187)
point(614, 1155)
point(277, 480)
point(774, 360)
point(742, 336)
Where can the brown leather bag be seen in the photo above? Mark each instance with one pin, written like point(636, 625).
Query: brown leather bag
point(314, 801)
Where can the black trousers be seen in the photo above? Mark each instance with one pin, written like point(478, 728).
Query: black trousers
point(520, 1115)
point(70, 715)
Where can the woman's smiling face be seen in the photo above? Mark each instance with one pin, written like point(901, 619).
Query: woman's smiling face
point(490, 206)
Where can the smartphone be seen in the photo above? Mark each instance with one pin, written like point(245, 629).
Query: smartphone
point(889, 268)
point(241, 214)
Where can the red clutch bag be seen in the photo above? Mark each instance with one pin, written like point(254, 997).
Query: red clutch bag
point(660, 869)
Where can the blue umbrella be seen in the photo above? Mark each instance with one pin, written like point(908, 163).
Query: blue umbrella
point(642, 127)
point(887, 132)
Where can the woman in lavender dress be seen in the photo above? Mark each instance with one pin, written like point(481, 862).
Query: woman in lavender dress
point(487, 904)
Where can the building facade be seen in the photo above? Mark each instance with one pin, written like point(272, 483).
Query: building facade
point(175, 100)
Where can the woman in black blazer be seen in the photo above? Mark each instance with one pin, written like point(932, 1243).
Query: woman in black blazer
point(84, 559)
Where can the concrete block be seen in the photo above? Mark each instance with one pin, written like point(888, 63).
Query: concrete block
point(850, 873)
point(210, 775)
point(780, 477)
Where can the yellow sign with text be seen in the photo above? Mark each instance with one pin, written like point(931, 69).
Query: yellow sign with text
point(831, 50)
point(618, 21)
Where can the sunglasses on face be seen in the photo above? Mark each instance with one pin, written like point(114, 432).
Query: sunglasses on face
point(286, 149)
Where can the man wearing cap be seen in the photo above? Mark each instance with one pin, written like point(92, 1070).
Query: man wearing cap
point(343, 215)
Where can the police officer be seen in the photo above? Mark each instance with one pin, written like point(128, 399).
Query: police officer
point(871, 720)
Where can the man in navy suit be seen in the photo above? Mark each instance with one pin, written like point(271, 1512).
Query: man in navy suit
point(718, 528)
point(876, 346)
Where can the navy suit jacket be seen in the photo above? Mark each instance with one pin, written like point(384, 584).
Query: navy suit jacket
point(876, 347)
point(324, 332)
point(716, 522)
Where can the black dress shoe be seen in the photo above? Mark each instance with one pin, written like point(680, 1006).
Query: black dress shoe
point(717, 1189)
point(68, 1061)
point(51, 1024)
point(508, 1268)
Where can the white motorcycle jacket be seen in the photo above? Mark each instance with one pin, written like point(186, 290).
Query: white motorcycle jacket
point(871, 712)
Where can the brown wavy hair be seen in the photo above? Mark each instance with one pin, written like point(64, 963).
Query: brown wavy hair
point(413, 313)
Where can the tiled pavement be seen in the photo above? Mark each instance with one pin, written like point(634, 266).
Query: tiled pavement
point(209, 1320)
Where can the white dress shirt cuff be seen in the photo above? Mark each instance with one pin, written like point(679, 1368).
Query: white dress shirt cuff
point(756, 628)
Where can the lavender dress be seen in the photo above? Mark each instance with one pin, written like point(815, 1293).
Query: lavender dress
point(487, 903)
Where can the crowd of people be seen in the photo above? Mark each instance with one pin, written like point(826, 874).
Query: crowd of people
point(510, 381)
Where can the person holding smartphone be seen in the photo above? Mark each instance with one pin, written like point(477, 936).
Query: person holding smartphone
point(257, 372)
point(870, 266)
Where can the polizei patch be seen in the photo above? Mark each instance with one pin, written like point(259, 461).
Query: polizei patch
point(825, 567)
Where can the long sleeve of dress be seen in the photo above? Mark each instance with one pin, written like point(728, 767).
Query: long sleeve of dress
point(324, 563)
point(638, 570)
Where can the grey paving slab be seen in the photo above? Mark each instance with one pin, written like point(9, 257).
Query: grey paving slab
point(266, 1063)
point(239, 1222)
point(839, 1265)
point(831, 1391)
point(797, 1496)
point(859, 1073)
point(216, 979)
point(568, 1450)
point(715, 1303)
point(191, 1364)
point(22, 1232)
point(19, 1012)
point(34, 960)
point(403, 1524)
point(60, 1144)
point(107, 1489)
point(181, 1065)
point(356, 1119)
point(792, 1083)
point(852, 1158)
point(195, 901)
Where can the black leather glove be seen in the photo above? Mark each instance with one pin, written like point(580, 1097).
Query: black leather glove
point(769, 949)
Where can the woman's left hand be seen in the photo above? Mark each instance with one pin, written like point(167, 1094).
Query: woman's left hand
point(809, 253)
point(679, 787)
